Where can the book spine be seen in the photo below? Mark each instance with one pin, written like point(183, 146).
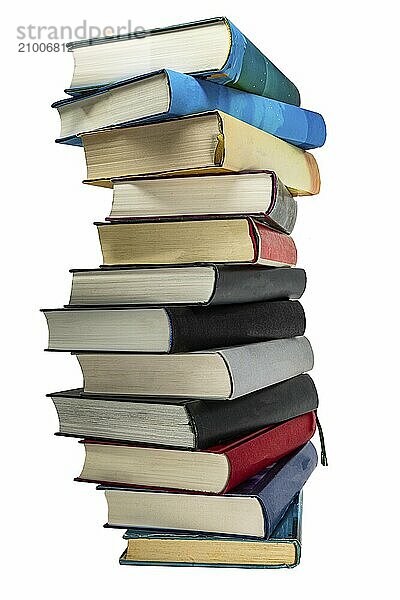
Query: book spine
point(247, 148)
point(271, 363)
point(261, 451)
point(287, 482)
point(282, 213)
point(218, 422)
point(290, 526)
point(274, 247)
point(238, 284)
point(303, 128)
point(202, 328)
point(249, 70)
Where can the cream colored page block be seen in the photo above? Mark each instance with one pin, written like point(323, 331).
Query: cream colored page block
point(167, 146)
point(138, 330)
point(143, 286)
point(184, 50)
point(215, 552)
point(221, 514)
point(100, 418)
point(133, 101)
point(247, 147)
point(193, 195)
point(202, 471)
point(180, 375)
point(172, 243)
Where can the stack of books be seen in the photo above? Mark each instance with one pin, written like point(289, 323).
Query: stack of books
point(196, 410)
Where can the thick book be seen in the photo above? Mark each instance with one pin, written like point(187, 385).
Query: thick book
point(215, 470)
point(211, 142)
point(257, 194)
point(175, 548)
point(253, 508)
point(182, 422)
point(196, 285)
point(165, 94)
point(201, 241)
point(172, 329)
point(221, 374)
point(213, 49)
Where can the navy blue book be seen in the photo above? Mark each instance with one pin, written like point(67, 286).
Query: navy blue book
point(149, 547)
point(252, 509)
point(167, 94)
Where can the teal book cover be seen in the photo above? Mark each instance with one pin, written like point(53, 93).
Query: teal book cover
point(246, 67)
point(282, 549)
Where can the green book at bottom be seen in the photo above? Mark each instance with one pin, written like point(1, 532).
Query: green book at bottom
point(169, 548)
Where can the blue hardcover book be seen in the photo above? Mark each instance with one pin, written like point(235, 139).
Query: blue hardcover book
point(252, 509)
point(167, 94)
point(157, 548)
point(212, 48)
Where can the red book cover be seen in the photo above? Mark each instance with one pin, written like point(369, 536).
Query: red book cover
point(247, 455)
point(255, 452)
point(271, 245)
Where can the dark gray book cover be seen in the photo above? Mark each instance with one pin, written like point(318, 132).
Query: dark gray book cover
point(232, 284)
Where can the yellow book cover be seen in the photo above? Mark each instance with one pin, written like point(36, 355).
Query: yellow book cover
point(203, 143)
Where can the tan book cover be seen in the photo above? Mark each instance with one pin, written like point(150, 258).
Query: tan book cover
point(203, 143)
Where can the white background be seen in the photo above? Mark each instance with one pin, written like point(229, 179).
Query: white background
point(344, 58)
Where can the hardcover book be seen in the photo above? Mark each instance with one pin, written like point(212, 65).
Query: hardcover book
point(211, 142)
point(202, 285)
point(182, 422)
point(253, 508)
point(216, 470)
point(172, 329)
point(214, 49)
point(162, 548)
point(221, 374)
point(165, 94)
point(257, 194)
point(195, 242)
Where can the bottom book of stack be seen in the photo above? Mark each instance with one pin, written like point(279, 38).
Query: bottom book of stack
point(156, 547)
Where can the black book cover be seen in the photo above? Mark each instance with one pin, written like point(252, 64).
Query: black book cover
point(199, 328)
point(217, 422)
point(235, 284)
point(191, 328)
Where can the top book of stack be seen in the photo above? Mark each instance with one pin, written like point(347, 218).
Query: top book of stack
point(213, 49)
